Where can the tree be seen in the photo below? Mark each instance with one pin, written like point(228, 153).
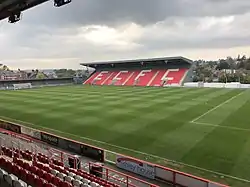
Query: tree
point(5, 68)
point(40, 75)
point(65, 73)
point(223, 64)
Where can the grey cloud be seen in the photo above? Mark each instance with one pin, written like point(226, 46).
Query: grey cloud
point(213, 43)
point(108, 12)
point(144, 12)
point(164, 25)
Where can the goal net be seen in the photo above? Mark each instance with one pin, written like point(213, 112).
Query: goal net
point(22, 86)
point(114, 81)
point(136, 82)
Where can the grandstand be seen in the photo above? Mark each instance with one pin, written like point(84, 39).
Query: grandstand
point(24, 162)
point(168, 71)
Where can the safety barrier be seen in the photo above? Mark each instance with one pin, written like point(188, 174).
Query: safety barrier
point(216, 85)
point(157, 172)
point(55, 154)
point(140, 167)
point(108, 174)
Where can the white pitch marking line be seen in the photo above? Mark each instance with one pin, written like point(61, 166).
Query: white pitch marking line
point(211, 110)
point(127, 149)
point(221, 126)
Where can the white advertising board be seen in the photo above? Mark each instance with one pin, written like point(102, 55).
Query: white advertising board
point(31, 132)
point(136, 166)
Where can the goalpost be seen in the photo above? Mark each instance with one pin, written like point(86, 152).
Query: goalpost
point(164, 82)
point(22, 86)
point(113, 82)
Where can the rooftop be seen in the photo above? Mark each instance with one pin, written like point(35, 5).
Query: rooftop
point(147, 60)
point(8, 6)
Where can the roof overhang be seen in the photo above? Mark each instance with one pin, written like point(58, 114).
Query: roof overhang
point(9, 6)
point(146, 60)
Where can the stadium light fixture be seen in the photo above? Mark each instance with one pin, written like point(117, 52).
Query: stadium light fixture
point(58, 3)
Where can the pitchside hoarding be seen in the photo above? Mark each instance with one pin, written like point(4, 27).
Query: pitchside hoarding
point(136, 166)
point(69, 146)
point(50, 139)
point(31, 133)
point(92, 152)
point(9, 126)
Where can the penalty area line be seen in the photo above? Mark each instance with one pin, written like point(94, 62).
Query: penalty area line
point(219, 105)
point(122, 148)
point(221, 126)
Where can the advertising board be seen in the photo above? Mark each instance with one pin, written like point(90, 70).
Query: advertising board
point(92, 152)
point(30, 132)
point(69, 146)
point(10, 126)
point(136, 166)
point(50, 139)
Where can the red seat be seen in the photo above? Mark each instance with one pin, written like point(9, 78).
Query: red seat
point(47, 169)
point(15, 160)
point(20, 163)
point(9, 166)
point(9, 152)
point(16, 155)
point(26, 166)
point(56, 181)
point(24, 175)
point(29, 157)
point(2, 161)
point(65, 184)
point(35, 163)
point(31, 179)
point(28, 152)
point(33, 169)
point(40, 173)
point(39, 182)
point(48, 177)
point(49, 185)
point(16, 170)
point(44, 160)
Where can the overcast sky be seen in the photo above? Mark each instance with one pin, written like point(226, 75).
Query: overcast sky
point(98, 30)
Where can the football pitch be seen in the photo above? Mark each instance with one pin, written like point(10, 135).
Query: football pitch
point(203, 131)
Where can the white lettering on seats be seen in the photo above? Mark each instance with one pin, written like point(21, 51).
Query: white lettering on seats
point(117, 76)
point(100, 75)
point(142, 73)
point(165, 76)
point(153, 78)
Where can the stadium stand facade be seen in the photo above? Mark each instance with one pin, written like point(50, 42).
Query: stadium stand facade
point(168, 71)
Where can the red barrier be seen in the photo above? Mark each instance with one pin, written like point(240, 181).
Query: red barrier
point(109, 174)
point(176, 177)
point(107, 171)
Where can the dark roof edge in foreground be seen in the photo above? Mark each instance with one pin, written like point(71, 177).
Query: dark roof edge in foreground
point(138, 60)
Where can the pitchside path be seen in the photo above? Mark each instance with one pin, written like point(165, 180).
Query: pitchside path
point(206, 128)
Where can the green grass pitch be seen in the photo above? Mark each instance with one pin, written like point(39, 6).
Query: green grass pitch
point(206, 128)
